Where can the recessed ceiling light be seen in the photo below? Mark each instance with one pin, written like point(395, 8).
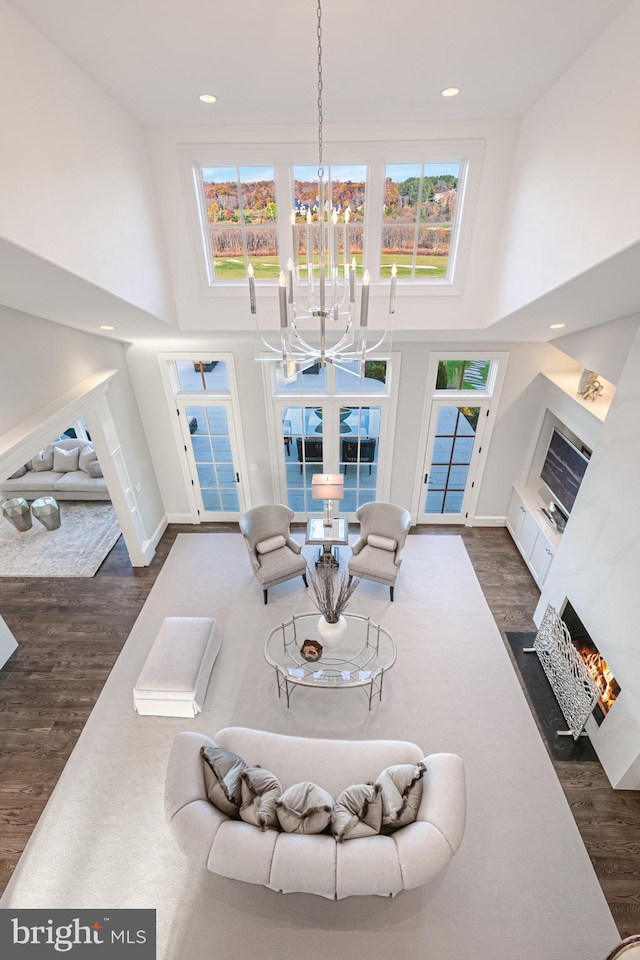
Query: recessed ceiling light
point(208, 98)
point(105, 326)
point(450, 91)
point(556, 326)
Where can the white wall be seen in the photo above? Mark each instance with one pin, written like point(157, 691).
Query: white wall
point(605, 348)
point(596, 568)
point(40, 361)
point(203, 308)
point(507, 458)
point(75, 181)
point(574, 199)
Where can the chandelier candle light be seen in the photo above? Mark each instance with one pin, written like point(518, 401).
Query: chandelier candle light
point(330, 302)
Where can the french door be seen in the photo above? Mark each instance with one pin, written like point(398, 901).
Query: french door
point(211, 448)
point(453, 442)
point(331, 436)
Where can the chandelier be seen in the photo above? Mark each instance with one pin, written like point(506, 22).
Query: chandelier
point(319, 319)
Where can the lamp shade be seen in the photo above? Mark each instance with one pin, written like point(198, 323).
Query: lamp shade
point(327, 486)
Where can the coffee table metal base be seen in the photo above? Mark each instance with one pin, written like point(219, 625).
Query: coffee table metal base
point(361, 661)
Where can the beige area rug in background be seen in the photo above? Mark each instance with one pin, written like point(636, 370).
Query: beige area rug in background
point(521, 887)
point(88, 531)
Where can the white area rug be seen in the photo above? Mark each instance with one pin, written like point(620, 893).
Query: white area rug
point(88, 531)
point(521, 887)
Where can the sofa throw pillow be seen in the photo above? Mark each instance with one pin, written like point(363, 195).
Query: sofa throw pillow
point(222, 771)
point(401, 791)
point(273, 543)
point(65, 461)
point(260, 790)
point(20, 472)
point(43, 460)
point(358, 812)
point(305, 808)
point(94, 470)
point(382, 543)
point(87, 456)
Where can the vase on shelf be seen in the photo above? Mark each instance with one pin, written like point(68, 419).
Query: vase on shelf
point(332, 634)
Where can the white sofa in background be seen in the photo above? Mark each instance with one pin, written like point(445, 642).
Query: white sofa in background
point(294, 863)
point(75, 485)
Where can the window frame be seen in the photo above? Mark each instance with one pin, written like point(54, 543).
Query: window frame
point(241, 225)
point(332, 391)
point(491, 397)
point(375, 156)
point(455, 224)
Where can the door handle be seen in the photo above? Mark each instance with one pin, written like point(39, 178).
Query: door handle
point(237, 478)
point(426, 477)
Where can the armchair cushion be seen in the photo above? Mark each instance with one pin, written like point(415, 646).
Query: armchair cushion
point(372, 563)
point(382, 543)
point(271, 544)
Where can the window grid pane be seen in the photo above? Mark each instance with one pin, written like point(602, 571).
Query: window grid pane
point(241, 211)
point(418, 216)
point(450, 459)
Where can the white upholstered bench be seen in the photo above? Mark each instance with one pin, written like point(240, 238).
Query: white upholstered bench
point(173, 681)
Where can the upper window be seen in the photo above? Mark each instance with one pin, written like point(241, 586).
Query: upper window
point(239, 209)
point(419, 220)
point(345, 189)
point(336, 380)
point(463, 374)
point(198, 376)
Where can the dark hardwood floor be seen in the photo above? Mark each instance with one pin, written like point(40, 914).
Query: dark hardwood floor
point(71, 631)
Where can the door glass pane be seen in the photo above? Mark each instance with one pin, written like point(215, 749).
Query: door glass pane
point(450, 459)
point(302, 439)
point(359, 452)
point(211, 447)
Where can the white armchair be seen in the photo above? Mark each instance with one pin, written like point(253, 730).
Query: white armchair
point(377, 553)
point(275, 556)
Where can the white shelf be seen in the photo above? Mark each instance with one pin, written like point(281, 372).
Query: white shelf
point(568, 384)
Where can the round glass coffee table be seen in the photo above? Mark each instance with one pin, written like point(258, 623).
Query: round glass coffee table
point(362, 660)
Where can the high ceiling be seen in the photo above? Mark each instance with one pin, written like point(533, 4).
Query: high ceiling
point(382, 62)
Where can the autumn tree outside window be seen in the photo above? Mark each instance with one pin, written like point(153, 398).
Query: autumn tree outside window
point(241, 218)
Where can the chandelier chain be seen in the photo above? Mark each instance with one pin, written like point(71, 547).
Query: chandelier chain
point(320, 117)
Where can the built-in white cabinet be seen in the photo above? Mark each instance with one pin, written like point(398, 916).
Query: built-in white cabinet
point(535, 536)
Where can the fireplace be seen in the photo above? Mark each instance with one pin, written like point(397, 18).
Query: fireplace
point(595, 663)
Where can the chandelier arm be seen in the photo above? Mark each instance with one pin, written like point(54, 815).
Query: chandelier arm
point(333, 296)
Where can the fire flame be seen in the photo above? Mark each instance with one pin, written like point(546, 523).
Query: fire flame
point(601, 673)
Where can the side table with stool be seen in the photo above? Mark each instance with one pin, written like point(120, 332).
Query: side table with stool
point(329, 538)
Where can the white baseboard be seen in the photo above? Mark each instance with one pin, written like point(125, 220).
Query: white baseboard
point(182, 518)
point(149, 546)
point(486, 521)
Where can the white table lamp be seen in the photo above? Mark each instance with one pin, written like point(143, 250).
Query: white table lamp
point(327, 487)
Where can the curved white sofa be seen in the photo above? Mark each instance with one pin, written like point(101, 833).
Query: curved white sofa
point(294, 863)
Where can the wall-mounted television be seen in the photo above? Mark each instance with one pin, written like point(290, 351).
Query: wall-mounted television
point(563, 471)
